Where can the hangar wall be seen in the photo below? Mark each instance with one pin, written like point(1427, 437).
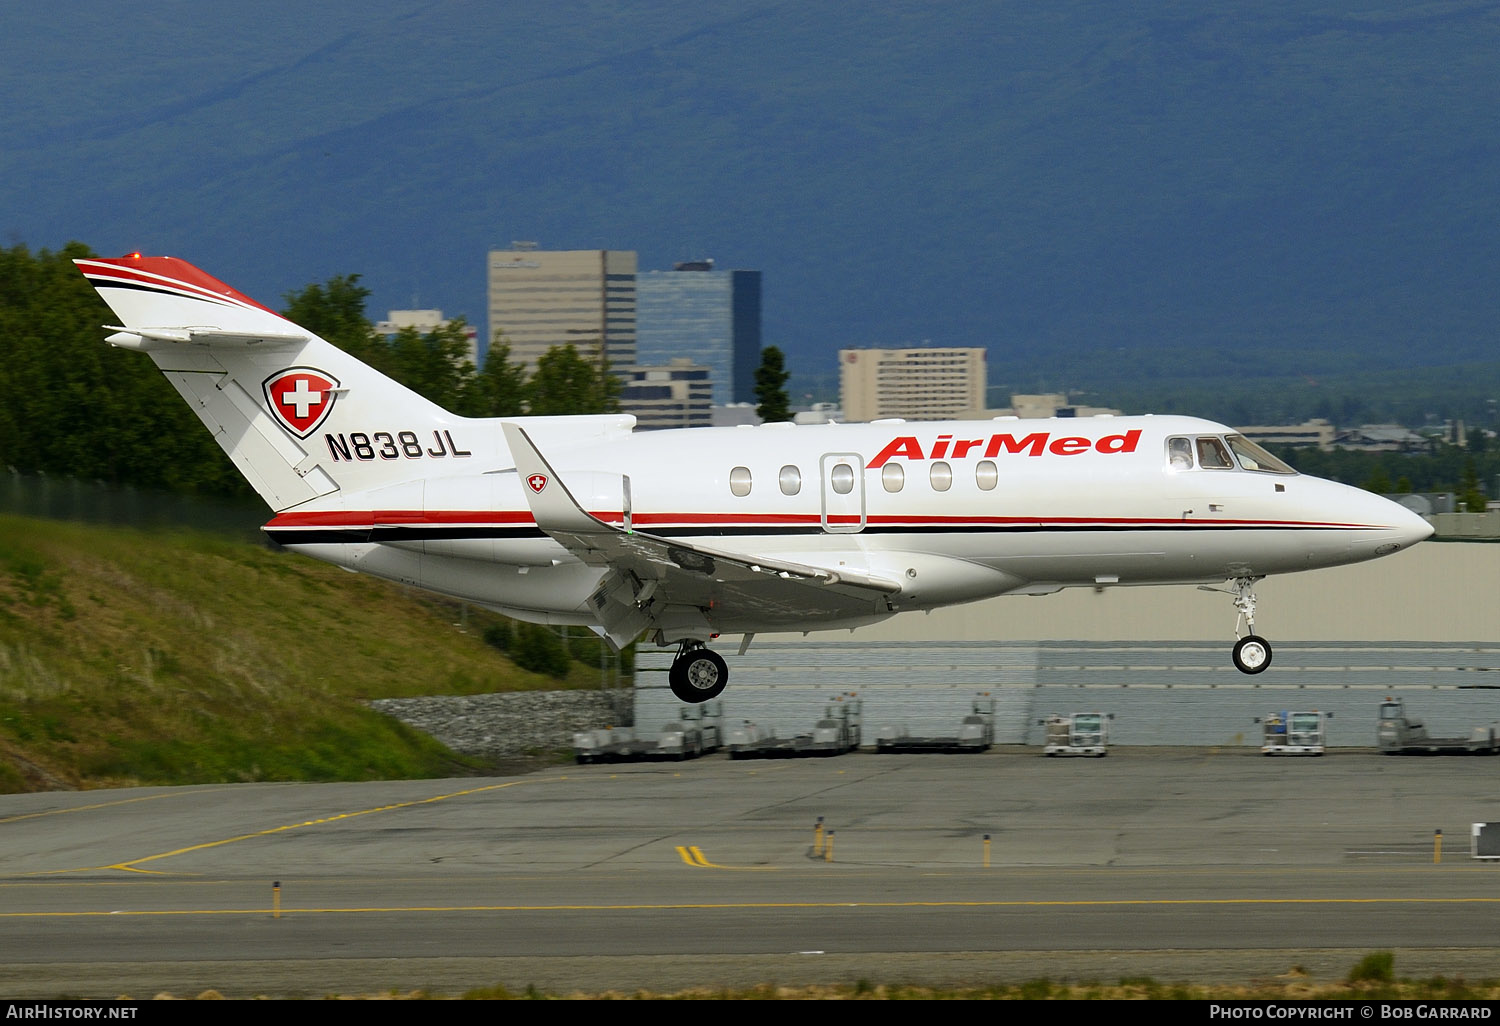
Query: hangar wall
point(1160, 693)
point(1424, 624)
point(1438, 591)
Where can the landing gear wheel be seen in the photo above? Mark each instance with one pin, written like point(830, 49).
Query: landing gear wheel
point(698, 675)
point(1252, 654)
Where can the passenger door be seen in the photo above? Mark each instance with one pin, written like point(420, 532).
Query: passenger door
point(842, 482)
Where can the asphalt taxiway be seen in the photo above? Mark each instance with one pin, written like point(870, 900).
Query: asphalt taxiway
point(1182, 864)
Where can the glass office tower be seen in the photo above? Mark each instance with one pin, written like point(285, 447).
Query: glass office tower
point(707, 315)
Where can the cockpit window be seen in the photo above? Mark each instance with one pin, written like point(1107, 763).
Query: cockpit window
point(1180, 453)
point(1253, 457)
point(1212, 455)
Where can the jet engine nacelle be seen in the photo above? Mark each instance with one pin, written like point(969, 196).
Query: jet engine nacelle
point(605, 495)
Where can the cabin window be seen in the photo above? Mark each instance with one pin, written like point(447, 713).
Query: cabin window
point(1212, 455)
point(892, 477)
point(941, 476)
point(790, 480)
point(739, 481)
point(841, 478)
point(986, 475)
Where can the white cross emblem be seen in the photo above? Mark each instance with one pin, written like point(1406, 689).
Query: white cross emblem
point(302, 398)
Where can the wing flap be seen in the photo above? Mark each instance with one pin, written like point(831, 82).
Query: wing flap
point(655, 580)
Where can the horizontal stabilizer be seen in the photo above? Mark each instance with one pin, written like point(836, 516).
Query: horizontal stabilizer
point(138, 338)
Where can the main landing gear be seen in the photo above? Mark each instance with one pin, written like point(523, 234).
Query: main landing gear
point(1251, 653)
point(697, 674)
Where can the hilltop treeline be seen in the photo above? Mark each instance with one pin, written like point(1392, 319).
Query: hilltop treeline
point(1472, 472)
point(70, 405)
point(73, 406)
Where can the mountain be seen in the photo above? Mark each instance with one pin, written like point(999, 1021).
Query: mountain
point(1097, 192)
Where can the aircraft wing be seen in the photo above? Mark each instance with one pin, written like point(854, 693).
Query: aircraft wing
point(675, 586)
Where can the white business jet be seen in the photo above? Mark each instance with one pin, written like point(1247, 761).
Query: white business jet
point(686, 535)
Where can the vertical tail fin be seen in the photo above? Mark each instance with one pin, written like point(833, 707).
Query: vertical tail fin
point(299, 417)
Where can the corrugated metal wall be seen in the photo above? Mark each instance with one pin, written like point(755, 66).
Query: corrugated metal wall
point(1161, 693)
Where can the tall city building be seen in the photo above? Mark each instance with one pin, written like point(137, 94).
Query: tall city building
point(712, 317)
point(913, 384)
point(585, 298)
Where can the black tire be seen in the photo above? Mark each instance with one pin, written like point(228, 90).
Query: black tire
point(698, 676)
point(1252, 654)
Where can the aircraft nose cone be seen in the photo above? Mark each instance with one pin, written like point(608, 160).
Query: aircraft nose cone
point(1417, 530)
point(1405, 530)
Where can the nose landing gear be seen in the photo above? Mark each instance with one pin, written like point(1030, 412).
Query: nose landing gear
point(1251, 653)
point(697, 674)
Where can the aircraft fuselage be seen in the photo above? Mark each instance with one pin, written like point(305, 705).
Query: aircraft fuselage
point(953, 511)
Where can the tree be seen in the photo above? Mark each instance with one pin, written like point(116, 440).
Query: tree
point(535, 648)
point(1469, 492)
point(499, 389)
point(435, 364)
point(1379, 482)
point(770, 386)
point(565, 383)
point(336, 313)
point(71, 405)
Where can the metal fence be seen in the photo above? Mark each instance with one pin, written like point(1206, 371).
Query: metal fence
point(93, 502)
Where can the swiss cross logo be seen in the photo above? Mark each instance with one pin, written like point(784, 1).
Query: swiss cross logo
point(537, 482)
point(301, 398)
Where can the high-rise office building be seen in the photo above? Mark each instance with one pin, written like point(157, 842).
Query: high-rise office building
point(585, 298)
point(707, 315)
point(914, 384)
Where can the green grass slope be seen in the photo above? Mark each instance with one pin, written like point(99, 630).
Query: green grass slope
point(151, 658)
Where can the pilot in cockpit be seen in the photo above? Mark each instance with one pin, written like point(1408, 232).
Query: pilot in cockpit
point(1180, 453)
